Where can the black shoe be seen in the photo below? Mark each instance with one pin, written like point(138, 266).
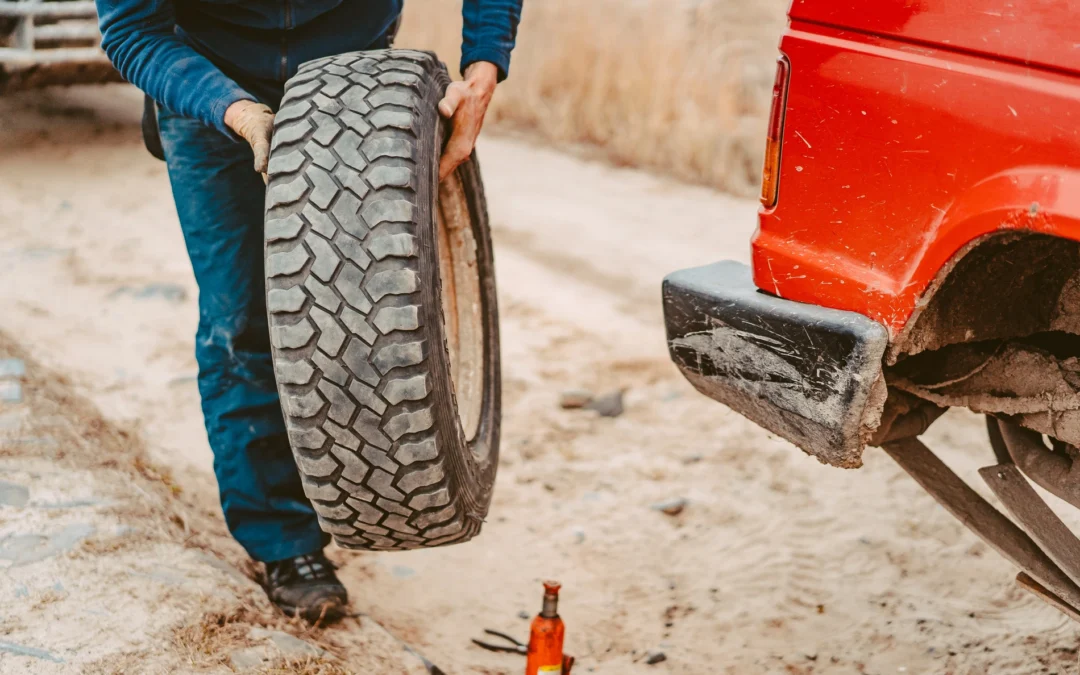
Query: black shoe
point(306, 585)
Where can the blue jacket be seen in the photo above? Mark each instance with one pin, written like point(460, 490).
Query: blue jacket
point(197, 57)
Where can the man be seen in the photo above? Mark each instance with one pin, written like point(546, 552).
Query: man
point(216, 69)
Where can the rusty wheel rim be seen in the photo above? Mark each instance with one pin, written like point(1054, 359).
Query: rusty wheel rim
point(461, 302)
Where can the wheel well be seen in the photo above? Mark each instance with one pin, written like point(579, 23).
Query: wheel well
point(997, 332)
point(1001, 286)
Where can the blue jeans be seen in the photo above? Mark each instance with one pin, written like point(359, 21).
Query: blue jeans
point(219, 198)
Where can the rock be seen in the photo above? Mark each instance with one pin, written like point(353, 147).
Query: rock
point(219, 564)
point(579, 534)
point(12, 420)
point(248, 659)
point(168, 292)
point(402, 572)
point(12, 368)
point(574, 399)
point(162, 576)
point(10, 391)
point(281, 644)
point(671, 507)
point(72, 504)
point(23, 549)
point(67, 538)
point(428, 665)
point(288, 645)
point(13, 495)
point(21, 650)
point(39, 441)
point(653, 657)
point(293, 646)
point(693, 459)
point(183, 381)
point(608, 405)
point(44, 252)
point(524, 616)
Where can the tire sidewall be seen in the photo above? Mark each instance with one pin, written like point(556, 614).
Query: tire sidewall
point(475, 464)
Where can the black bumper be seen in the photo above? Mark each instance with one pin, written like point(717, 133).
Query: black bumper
point(809, 374)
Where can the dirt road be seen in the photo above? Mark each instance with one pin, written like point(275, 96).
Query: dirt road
point(776, 564)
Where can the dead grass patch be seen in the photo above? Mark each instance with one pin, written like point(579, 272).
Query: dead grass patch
point(131, 663)
point(99, 545)
point(311, 665)
point(48, 597)
point(210, 638)
point(680, 87)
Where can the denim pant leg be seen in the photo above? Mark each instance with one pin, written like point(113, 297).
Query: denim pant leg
point(219, 199)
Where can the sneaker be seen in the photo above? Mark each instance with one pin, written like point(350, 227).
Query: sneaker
point(307, 586)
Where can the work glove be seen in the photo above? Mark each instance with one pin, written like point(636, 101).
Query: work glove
point(254, 122)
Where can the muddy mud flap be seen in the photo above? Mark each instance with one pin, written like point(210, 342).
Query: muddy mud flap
point(809, 374)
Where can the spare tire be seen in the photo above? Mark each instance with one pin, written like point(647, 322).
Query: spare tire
point(381, 298)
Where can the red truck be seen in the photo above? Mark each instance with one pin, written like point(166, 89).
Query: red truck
point(917, 250)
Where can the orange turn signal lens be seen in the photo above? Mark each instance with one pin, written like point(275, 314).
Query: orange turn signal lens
point(770, 179)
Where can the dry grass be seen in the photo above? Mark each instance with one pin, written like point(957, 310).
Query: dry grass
point(47, 598)
point(99, 545)
point(310, 665)
point(131, 663)
point(208, 640)
point(680, 87)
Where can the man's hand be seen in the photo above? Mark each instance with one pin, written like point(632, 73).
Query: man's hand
point(254, 122)
point(466, 103)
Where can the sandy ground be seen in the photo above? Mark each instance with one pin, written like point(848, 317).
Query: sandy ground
point(776, 565)
point(107, 566)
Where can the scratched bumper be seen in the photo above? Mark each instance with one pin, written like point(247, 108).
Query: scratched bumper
point(809, 374)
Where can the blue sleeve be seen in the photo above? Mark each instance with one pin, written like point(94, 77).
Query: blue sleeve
point(139, 38)
point(490, 30)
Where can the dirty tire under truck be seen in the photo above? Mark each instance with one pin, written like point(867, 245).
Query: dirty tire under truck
point(381, 298)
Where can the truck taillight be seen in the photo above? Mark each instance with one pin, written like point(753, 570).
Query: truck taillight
point(770, 180)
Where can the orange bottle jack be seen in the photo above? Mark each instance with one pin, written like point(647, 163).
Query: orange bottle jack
point(546, 636)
